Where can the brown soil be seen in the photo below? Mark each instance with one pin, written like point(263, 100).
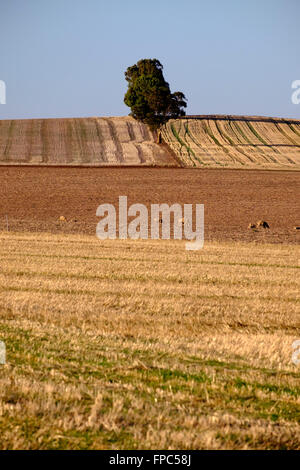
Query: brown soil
point(33, 199)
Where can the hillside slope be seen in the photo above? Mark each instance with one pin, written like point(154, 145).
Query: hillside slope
point(235, 141)
point(80, 141)
point(193, 141)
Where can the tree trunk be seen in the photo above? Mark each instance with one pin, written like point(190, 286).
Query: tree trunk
point(158, 137)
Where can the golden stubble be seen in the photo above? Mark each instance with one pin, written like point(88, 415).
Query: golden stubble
point(142, 344)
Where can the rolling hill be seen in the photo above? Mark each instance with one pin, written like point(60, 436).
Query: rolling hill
point(234, 141)
point(80, 141)
point(193, 141)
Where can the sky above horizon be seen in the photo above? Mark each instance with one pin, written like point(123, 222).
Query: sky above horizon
point(67, 58)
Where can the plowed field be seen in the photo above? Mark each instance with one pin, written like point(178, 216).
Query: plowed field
point(34, 198)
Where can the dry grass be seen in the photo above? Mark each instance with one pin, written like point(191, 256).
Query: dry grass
point(235, 143)
point(123, 344)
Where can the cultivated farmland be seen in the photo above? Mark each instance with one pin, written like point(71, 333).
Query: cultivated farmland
point(140, 344)
point(234, 141)
point(203, 141)
point(33, 199)
point(81, 142)
point(123, 344)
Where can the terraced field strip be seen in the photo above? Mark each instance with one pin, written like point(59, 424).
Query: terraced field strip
point(82, 141)
point(142, 345)
point(235, 142)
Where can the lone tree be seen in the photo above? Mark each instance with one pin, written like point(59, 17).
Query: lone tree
point(149, 95)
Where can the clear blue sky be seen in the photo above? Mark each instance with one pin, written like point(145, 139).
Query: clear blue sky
point(66, 58)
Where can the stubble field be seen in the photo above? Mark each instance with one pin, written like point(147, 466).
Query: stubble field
point(141, 344)
point(207, 141)
point(235, 141)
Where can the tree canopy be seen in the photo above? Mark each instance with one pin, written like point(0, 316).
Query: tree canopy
point(149, 95)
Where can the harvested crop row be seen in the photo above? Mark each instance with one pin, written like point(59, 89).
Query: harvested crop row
point(108, 339)
point(83, 142)
point(235, 142)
